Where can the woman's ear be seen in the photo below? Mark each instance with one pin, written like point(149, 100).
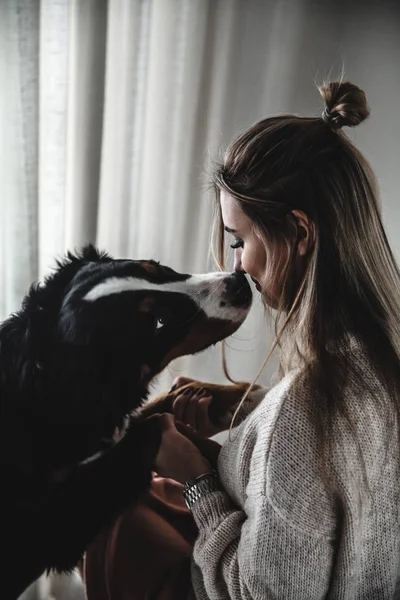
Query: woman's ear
point(305, 232)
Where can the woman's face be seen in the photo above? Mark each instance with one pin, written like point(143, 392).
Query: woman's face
point(249, 250)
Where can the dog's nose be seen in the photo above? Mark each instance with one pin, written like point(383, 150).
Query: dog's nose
point(238, 289)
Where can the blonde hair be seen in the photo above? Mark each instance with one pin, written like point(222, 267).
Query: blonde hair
point(351, 286)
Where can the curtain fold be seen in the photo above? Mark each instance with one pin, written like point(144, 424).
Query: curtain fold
point(52, 89)
point(87, 24)
point(19, 64)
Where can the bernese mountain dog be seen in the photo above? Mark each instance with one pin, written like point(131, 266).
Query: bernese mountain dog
point(76, 362)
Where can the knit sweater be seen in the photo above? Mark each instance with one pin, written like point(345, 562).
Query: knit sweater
point(274, 531)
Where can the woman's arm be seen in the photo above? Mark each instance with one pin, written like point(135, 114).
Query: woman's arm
point(280, 543)
point(254, 554)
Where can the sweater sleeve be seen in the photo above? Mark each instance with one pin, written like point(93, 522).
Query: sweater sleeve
point(255, 554)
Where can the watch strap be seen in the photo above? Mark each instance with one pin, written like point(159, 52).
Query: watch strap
point(196, 488)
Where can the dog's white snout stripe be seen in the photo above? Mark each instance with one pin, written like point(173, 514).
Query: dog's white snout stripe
point(208, 291)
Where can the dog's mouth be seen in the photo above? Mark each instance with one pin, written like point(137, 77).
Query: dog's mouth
point(223, 303)
point(256, 283)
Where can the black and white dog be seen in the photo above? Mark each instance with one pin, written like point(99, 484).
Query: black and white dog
point(75, 361)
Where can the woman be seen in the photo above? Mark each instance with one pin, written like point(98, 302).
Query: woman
point(305, 503)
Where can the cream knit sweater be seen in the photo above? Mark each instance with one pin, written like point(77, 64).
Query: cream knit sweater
point(275, 532)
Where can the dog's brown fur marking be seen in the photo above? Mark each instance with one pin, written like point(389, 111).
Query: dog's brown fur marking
point(151, 269)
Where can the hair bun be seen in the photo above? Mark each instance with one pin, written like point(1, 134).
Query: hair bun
point(345, 104)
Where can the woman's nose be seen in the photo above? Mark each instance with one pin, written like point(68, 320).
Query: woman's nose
point(237, 260)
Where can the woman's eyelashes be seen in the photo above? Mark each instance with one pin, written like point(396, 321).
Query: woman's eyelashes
point(237, 244)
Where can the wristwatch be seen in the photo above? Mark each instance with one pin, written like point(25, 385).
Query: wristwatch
point(197, 487)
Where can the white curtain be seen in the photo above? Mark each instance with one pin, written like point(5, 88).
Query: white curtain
point(112, 112)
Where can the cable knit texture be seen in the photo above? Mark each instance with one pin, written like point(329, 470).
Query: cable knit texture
point(275, 532)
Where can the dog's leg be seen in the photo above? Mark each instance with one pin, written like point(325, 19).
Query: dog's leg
point(97, 492)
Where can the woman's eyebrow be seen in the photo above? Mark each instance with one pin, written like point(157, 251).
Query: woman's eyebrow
point(229, 230)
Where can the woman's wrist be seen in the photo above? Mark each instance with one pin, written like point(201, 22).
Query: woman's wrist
point(198, 470)
point(200, 486)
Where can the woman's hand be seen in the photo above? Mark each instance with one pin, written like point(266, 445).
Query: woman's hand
point(206, 407)
point(178, 458)
point(192, 408)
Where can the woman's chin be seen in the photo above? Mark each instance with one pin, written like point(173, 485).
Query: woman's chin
point(269, 299)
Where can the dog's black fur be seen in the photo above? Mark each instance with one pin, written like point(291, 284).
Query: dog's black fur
point(71, 371)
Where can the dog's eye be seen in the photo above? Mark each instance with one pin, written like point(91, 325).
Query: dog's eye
point(162, 317)
point(160, 322)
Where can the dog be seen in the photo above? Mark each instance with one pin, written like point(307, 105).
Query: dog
point(76, 363)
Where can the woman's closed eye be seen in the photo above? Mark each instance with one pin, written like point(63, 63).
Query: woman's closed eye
point(237, 244)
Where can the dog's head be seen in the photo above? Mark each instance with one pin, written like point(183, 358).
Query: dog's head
point(148, 312)
point(88, 341)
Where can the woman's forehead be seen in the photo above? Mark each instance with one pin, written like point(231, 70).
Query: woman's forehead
point(232, 215)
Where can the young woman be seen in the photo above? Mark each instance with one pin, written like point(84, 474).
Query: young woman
point(305, 503)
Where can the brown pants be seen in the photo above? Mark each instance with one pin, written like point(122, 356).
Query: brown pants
point(145, 555)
